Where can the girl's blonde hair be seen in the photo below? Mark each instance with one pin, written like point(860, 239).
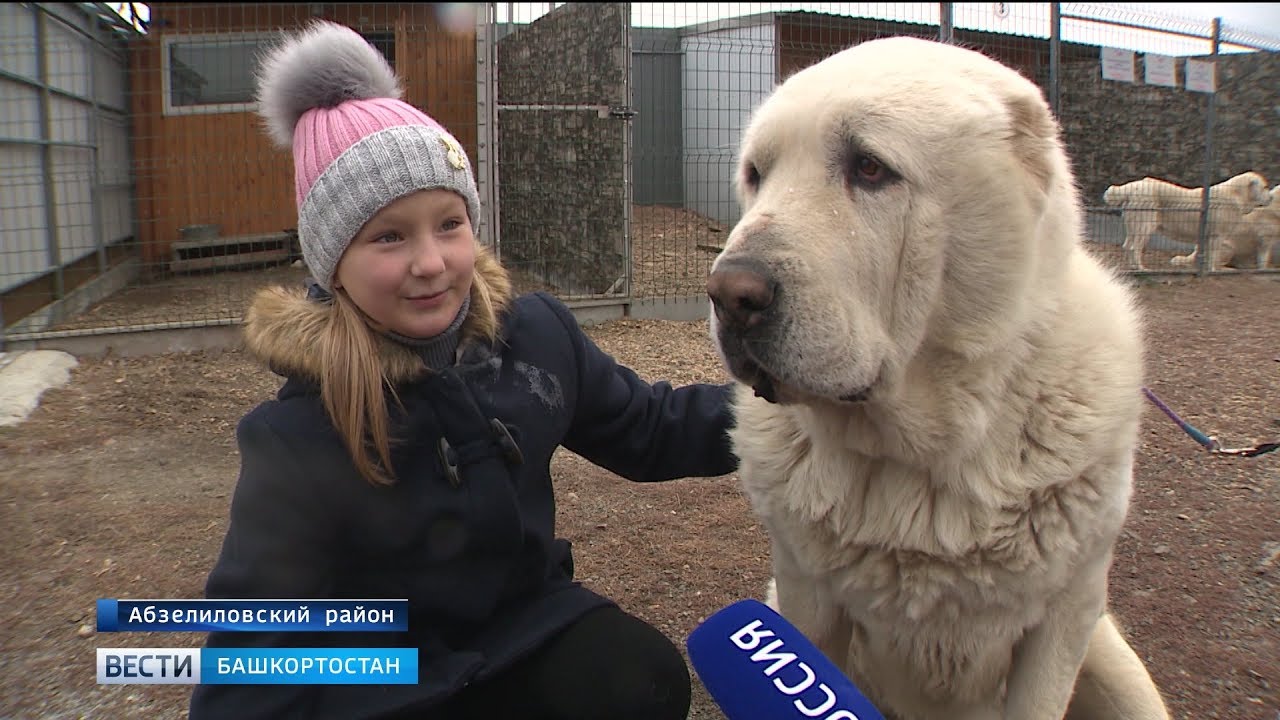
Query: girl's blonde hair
point(355, 377)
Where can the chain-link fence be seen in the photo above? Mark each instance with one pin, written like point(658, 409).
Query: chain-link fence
point(138, 190)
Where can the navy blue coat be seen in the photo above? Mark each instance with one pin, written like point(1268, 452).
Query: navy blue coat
point(473, 549)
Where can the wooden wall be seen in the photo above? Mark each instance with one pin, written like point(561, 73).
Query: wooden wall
point(221, 168)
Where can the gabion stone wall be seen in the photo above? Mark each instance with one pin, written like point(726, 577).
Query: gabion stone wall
point(1117, 132)
point(562, 176)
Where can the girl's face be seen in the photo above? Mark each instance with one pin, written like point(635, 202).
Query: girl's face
point(410, 267)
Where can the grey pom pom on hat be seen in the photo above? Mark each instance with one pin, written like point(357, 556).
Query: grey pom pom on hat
point(333, 99)
point(322, 66)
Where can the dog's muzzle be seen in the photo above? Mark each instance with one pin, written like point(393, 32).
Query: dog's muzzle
point(748, 322)
point(743, 294)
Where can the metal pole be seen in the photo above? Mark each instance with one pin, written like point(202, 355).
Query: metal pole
point(1055, 57)
point(946, 25)
point(495, 126)
point(95, 139)
point(1204, 261)
point(628, 129)
point(54, 243)
point(483, 100)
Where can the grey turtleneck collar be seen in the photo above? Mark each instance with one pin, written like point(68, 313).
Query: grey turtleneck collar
point(438, 351)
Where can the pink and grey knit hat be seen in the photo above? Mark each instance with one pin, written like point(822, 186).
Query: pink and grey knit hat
point(331, 97)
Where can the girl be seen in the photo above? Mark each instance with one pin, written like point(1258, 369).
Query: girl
point(407, 454)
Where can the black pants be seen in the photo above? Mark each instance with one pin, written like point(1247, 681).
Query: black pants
point(607, 666)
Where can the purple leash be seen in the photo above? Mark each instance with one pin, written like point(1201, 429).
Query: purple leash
point(1209, 442)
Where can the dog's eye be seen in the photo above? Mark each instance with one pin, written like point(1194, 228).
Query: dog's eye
point(751, 176)
point(869, 170)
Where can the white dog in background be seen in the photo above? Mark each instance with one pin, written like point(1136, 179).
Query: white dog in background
point(1152, 205)
point(1261, 232)
point(1252, 241)
point(940, 389)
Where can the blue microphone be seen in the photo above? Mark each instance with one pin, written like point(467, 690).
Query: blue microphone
point(756, 665)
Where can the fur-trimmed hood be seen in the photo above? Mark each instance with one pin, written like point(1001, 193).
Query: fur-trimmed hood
point(284, 328)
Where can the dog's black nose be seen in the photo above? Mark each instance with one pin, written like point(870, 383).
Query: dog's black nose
point(741, 291)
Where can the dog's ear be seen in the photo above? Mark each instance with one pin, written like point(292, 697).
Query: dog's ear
point(1034, 135)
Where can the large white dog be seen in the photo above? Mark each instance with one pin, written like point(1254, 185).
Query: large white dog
point(940, 389)
point(1152, 205)
point(1255, 237)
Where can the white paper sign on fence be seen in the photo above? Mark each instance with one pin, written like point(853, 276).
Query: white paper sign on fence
point(1159, 70)
point(1117, 64)
point(1201, 76)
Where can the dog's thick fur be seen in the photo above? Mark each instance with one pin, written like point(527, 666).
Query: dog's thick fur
point(1152, 205)
point(947, 387)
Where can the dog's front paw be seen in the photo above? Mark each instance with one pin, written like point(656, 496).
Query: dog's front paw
point(771, 595)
